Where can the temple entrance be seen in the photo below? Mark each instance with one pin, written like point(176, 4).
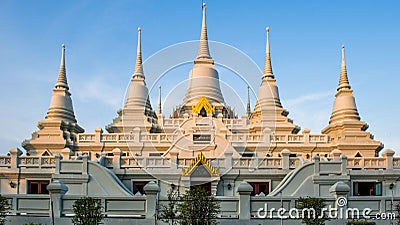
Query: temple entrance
point(204, 186)
point(201, 178)
point(203, 112)
point(203, 108)
point(201, 173)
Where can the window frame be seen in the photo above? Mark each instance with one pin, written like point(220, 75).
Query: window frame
point(258, 182)
point(40, 182)
point(140, 181)
point(377, 188)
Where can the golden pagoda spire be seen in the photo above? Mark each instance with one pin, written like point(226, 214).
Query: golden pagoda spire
point(204, 52)
point(139, 67)
point(343, 81)
point(267, 64)
point(62, 76)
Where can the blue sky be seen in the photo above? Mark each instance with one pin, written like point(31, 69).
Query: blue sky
point(101, 44)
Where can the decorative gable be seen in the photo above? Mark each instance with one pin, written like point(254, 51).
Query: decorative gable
point(203, 103)
point(202, 161)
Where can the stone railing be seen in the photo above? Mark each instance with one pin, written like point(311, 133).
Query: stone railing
point(5, 161)
point(173, 122)
point(243, 207)
point(157, 138)
point(36, 161)
point(127, 138)
point(231, 123)
point(16, 159)
point(284, 139)
point(143, 162)
point(366, 163)
point(262, 163)
point(117, 161)
point(134, 206)
point(39, 205)
point(22, 204)
point(387, 161)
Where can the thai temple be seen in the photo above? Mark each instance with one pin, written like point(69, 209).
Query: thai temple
point(244, 161)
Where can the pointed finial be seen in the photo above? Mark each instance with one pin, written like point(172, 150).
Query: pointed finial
point(343, 81)
point(159, 100)
point(62, 76)
point(139, 67)
point(204, 51)
point(267, 64)
point(248, 109)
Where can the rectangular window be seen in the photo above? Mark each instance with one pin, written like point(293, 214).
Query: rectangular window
point(259, 187)
point(38, 187)
point(201, 138)
point(367, 188)
point(138, 187)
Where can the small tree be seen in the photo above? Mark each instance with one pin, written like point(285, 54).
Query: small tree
point(197, 207)
point(88, 211)
point(169, 212)
point(311, 210)
point(397, 207)
point(4, 209)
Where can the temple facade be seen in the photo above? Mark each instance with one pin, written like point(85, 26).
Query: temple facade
point(247, 161)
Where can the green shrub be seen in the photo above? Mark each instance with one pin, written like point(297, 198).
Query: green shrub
point(169, 212)
point(88, 211)
point(195, 207)
point(198, 207)
point(4, 209)
point(312, 203)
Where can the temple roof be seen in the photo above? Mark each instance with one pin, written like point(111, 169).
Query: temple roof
point(200, 160)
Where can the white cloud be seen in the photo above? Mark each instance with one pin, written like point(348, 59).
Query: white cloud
point(98, 89)
point(307, 98)
point(310, 110)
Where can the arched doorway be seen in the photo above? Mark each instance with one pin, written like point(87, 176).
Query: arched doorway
point(203, 112)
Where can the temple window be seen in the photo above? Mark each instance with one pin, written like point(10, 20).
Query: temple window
point(38, 187)
point(259, 187)
point(138, 186)
point(367, 188)
point(248, 154)
point(201, 138)
point(203, 112)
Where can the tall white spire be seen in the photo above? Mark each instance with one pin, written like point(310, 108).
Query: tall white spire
point(344, 123)
point(159, 100)
point(268, 105)
point(60, 122)
point(139, 67)
point(343, 81)
point(344, 107)
point(137, 102)
point(61, 103)
point(62, 76)
point(204, 52)
point(267, 64)
point(203, 78)
point(248, 108)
